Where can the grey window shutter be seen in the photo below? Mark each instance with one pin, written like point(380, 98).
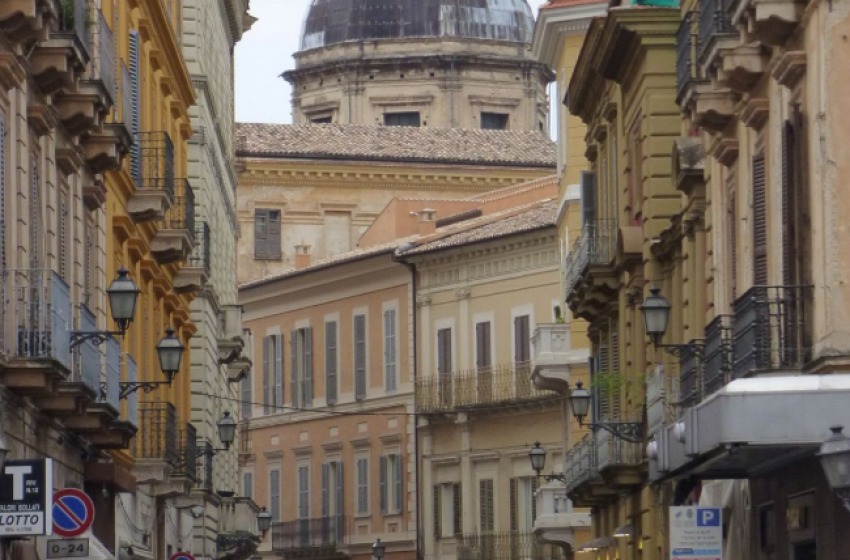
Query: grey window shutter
point(267, 375)
point(533, 499)
point(588, 198)
point(247, 395)
point(438, 513)
point(278, 370)
point(340, 492)
point(457, 509)
point(261, 228)
point(273, 238)
point(513, 504)
point(326, 496)
point(485, 504)
point(790, 215)
point(308, 367)
point(331, 362)
point(760, 275)
point(399, 484)
point(294, 351)
point(134, 52)
point(383, 483)
point(359, 357)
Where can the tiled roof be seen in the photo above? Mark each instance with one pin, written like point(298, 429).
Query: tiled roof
point(516, 220)
point(397, 143)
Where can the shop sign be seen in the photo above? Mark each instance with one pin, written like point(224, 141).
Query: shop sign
point(26, 498)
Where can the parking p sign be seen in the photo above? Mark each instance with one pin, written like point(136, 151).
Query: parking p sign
point(696, 533)
point(26, 498)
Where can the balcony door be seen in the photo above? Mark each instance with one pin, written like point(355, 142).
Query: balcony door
point(444, 365)
point(483, 362)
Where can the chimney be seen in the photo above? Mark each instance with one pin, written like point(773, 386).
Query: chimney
point(302, 255)
point(427, 221)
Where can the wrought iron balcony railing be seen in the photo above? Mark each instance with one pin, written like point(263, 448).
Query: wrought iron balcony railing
point(36, 316)
point(468, 389)
point(181, 215)
point(714, 24)
point(74, 22)
point(594, 246)
point(187, 463)
point(612, 450)
point(131, 412)
point(770, 329)
point(87, 357)
point(158, 437)
point(104, 68)
point(205, 465)
point(317, 532)
point(580, 463)
point(690, 373)
point(152, 162)
point(508, 545)
point(688, 71)
point(201, 256)
point(111, 384)
point(717, 355)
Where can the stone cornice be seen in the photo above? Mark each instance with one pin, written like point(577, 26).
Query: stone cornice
point(554, 24)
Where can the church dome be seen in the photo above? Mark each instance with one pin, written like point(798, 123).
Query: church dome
point(337, 21)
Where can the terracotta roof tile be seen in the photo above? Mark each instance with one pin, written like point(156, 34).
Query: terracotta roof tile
point(397, 143)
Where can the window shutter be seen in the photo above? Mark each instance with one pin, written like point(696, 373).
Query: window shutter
point(438, 512)
point(134, 53)
point(303, 492)
point(383, 483)
point(732, 230)
point(399, 484)
point(359, 357)
point(261, 228)
point(3, 193)
point(268, 375)
point(444, 351)
point(248, 485)
point(483, 355)
point(64, 264)
point(308, 367)
point(294, 351)
point(247, 395)
point(522, 340)
point(760, 275)
point(533, 500)
point(485, 504)
point(36, 233)
point(604, 365)
point(588, 198)
point(390, 349)
point(513, 500)
point(340, 493)
point(326, 490)
point(614, 392)
point(789, 203)
point(330, 362)
point(274, 494)
point(278, 371)
point(457, 509)
point(273, 239)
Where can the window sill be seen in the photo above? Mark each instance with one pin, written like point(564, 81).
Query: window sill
point(279, 259)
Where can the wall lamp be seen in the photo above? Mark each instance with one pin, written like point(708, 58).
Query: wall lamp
point(226, 433)
point(123, 294)
point(580, 404)
point(378, 549)
point(834, 457)
point(170, 351)
point(656, 314)
point(537, 455)
point(264, 521)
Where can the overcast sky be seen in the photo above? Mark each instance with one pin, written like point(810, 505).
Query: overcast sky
point(265, 52)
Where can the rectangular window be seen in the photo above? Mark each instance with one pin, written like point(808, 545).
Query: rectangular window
point(303, 491)
point(362, 485)
point(247, 395)
point(392, 484)
point(447, 510)
point(444, 365)
point(274, 494)
point(135, 121)
point(327, 119)
point(522, 503)
point(407, 118)
point(332, 490)
point(759, 205)
point(486, 510)
point(483, 361)
point(267, 234)
point(331, 362)
point(494, 121)
point(522, 340)
point(248, 484)
point(359, 357)
point(272, 374)
point(390, 350)
point(301, 343)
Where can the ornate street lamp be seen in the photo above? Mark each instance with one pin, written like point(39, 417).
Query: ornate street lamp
point(656, 313)
point(835, 459)
point(580, 404)
point(123, 294)
point(378, 549)
point(537, 455)
point(264, 521)
point(169, 351)
point(226, 430)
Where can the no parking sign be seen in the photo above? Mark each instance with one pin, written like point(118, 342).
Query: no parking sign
point(73, 512)
point(181, 556)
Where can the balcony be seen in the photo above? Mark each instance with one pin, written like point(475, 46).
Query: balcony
point(690, 373)
point(238, 527)
point(122, 429)
point(508, 545)
point(769, 333)
point(553, 356)
point(470, 390)
point(186, 466)
point(196, 272)
point(152, 170)
point(582, 474)
point(319, 537)
point(204, 479)
point(27, 20)
point(557, 522)
point(35, 331)
point(590, 279)
point(104, 150)
point(231, 341)
point(619, 462)
point(769, 21)
point(83, 105)
point(175, 238)
point(59, 59)
point(156, 447)
point(688, 71)
point(717, 356)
